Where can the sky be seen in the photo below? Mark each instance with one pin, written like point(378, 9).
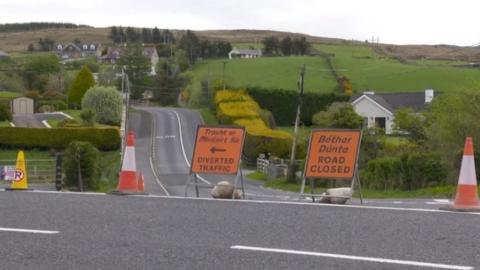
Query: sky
point(388, 21)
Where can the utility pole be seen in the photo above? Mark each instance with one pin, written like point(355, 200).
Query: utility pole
point(292, 167)
point(223, 74)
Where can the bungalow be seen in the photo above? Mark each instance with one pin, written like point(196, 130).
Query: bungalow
point(244, 53)
point(378, 109)
point(74, 51)
point(114, 54)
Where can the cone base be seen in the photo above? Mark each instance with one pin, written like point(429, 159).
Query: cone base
point(18, 189)
point(466, 196)
point(460, 208)
point(118, 192)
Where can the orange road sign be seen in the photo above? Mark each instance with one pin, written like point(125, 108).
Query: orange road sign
point(217, 149)
point(332, 154)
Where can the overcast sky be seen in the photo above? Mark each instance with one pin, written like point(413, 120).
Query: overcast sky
point(397, 22)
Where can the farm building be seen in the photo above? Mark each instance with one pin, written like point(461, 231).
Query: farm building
point(378, 109)
point(244, 53)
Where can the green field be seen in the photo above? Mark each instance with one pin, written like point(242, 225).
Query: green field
point(8, 95)
point(364, 68)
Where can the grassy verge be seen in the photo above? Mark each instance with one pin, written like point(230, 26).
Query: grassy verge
point(208, 116)
point(7, 94)
point(11, 154)
point(75, 114)
point(431, 192)
point(4, 124)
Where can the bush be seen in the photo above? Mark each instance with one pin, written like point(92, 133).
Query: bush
point(56, 105)
point(283, 103)
point(106, 102)
point(88, 117)
point(69, 123)
point(104, 139)
point(5, 114)
point(80, 166)
point(82, 83)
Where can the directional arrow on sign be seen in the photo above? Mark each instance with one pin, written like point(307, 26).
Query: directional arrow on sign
point(214, 149)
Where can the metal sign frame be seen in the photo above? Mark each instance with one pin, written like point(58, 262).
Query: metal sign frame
point(239, 174)
point(355, 178)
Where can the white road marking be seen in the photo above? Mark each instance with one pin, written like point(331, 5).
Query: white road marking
point(354, 258)
point(151, 157)
point(183, 148)
point(305, 203)
point(166, 137)
point(27, 231)
point(45, 123)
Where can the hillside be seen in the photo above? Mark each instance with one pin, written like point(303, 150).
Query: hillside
point(18, 41)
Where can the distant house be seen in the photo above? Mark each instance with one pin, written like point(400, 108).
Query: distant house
point(4, 55)
point(152, 55)
point(75, 51)
point(244, 53)
point(114, 54)
point(378, 109)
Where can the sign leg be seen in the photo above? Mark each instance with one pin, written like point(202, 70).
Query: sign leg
point(187, 184)
point(312, 188)
point(196, 185)
point(360, 189)
point(302, 189)
point(241, 183)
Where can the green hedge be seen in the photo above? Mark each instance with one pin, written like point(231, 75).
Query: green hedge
point(283, 103)
point(105, 139)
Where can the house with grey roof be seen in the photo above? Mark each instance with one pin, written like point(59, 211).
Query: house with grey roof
point(378, 109)
point(4, 55)
point(75, 51)
point(244, 53)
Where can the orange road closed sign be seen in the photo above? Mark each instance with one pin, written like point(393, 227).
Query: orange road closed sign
point(217, 149)
point(332, 154)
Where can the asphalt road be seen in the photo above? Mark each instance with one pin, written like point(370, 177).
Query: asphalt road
point(170, 132)
point(118, 232)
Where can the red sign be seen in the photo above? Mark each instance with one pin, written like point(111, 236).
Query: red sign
point(217, 150)
point(332, 154)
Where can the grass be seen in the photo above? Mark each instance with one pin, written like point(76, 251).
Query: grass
point(8, 95)
point(10, 154)
point(109, 164)
point(431, 192)
point(75, 114)
point(208, 116)
point(4, 124)
point(369, 71)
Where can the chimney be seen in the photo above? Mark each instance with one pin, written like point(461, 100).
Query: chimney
point(428, 95)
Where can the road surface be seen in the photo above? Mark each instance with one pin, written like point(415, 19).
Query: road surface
point(170, 133)
point(80, 231)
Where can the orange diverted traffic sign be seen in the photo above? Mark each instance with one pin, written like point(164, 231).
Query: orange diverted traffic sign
point(332, 154)
point(217, 150)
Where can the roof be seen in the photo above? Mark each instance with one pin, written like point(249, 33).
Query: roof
point(246, 51)
point(149, 51)
point(395, 101)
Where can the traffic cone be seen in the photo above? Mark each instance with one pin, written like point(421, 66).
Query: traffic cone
point(20, 181)
point(128, 180)
point(466, 198)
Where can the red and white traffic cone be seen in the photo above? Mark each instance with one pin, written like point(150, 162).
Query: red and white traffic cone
point(128, 180)
point(466, 198)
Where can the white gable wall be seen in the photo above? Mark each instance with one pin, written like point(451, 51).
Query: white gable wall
point(369, 109)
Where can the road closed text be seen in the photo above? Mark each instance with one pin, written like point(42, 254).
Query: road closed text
point(332, 154)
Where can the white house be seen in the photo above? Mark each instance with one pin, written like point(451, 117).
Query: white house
point(378, 109)
point(244, 53)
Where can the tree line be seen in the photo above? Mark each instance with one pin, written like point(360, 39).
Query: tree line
point(13, 27)
point(144, 35)
point(287, 46)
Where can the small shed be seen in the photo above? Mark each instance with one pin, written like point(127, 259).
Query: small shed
point(22, 105)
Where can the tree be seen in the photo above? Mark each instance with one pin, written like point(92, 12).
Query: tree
point(168, 37)
point(37, 70)
point(105, 102)
point(156, 36)
point(137, 68)
point(80, 165)
point(286, 46)
point(132, 34)
point(115, 35)
point(46, 44)
point(190, 43)
point(271, 45)
point(82, 83)
point(407, 120)
point(31, 47)
point(300, 46)
point(338, 115)
point(146, 35)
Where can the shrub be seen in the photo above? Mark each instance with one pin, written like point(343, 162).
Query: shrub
point(69, 123)
point(56, 105)
point(82, 83)
point(5, 114)
point(283, 103)
point(106, 102)
point(88, 117)
point(80, 165)
point(104, 139)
